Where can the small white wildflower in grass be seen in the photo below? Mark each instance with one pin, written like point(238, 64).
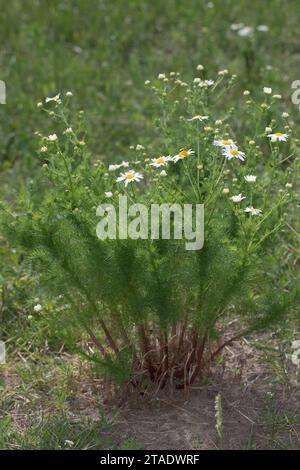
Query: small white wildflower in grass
point(296, 344)
point(288, 185)
point(268, 130)
point(124, 164)
point(252, 211)
point(237, 198)
point(223, 72)
point(30, 317)
point(263, 28)
point(251, 142)
point(246, 93)
point(52, 137)
point(183, 153)
point(69, 94)
point(130, 176)
point(267, 90)
point(225, 143)
point(139, 147)
point(225, 190)
point(113, 167)
point(206, 83)
point(245, 31)
point(285, 115)
point(43, 149)
point(69, 443)
point(236, 26)
point(39, 104)
point(163, 173)
point(37, 308)
point(161, 76)
point(200, 67)
point(108, 194)
point(160, 161)
point(147, 82)
point(69, 130)
point(198, 117)
point(55, 98)
point(250, 178)
point(277, 97)
point(233, 153)
point(278, 137)
point(197, 80)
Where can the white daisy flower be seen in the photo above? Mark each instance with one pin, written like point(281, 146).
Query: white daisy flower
point(250, 178)
point(160, 161)
point(225, 143)
point(55, 98)
point(198, 117)
point(233, 153)
point(52, 137)
point(129, 177)
point(267, 90)
point(252, 211)
point(183, 153)
point(37, 308)
point(278, 137)
point(237, 198)
point(246, 31)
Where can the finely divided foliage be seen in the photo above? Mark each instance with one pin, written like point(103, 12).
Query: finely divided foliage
point(153, 312)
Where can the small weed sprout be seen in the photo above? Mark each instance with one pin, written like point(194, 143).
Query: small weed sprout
point(219, 417)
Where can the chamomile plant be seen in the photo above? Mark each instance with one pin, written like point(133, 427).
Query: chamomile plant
point(152, 311)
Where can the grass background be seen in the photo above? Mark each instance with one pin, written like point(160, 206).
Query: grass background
point(104, 50)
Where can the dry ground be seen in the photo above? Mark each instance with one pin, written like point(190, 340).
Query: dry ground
point(260, 403)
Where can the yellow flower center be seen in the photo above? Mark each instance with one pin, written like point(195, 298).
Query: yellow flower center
point(279, 134)
point(184, 153)
point(226, 142)
point(160, 160)
point(129, 176)
point(234, 152)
